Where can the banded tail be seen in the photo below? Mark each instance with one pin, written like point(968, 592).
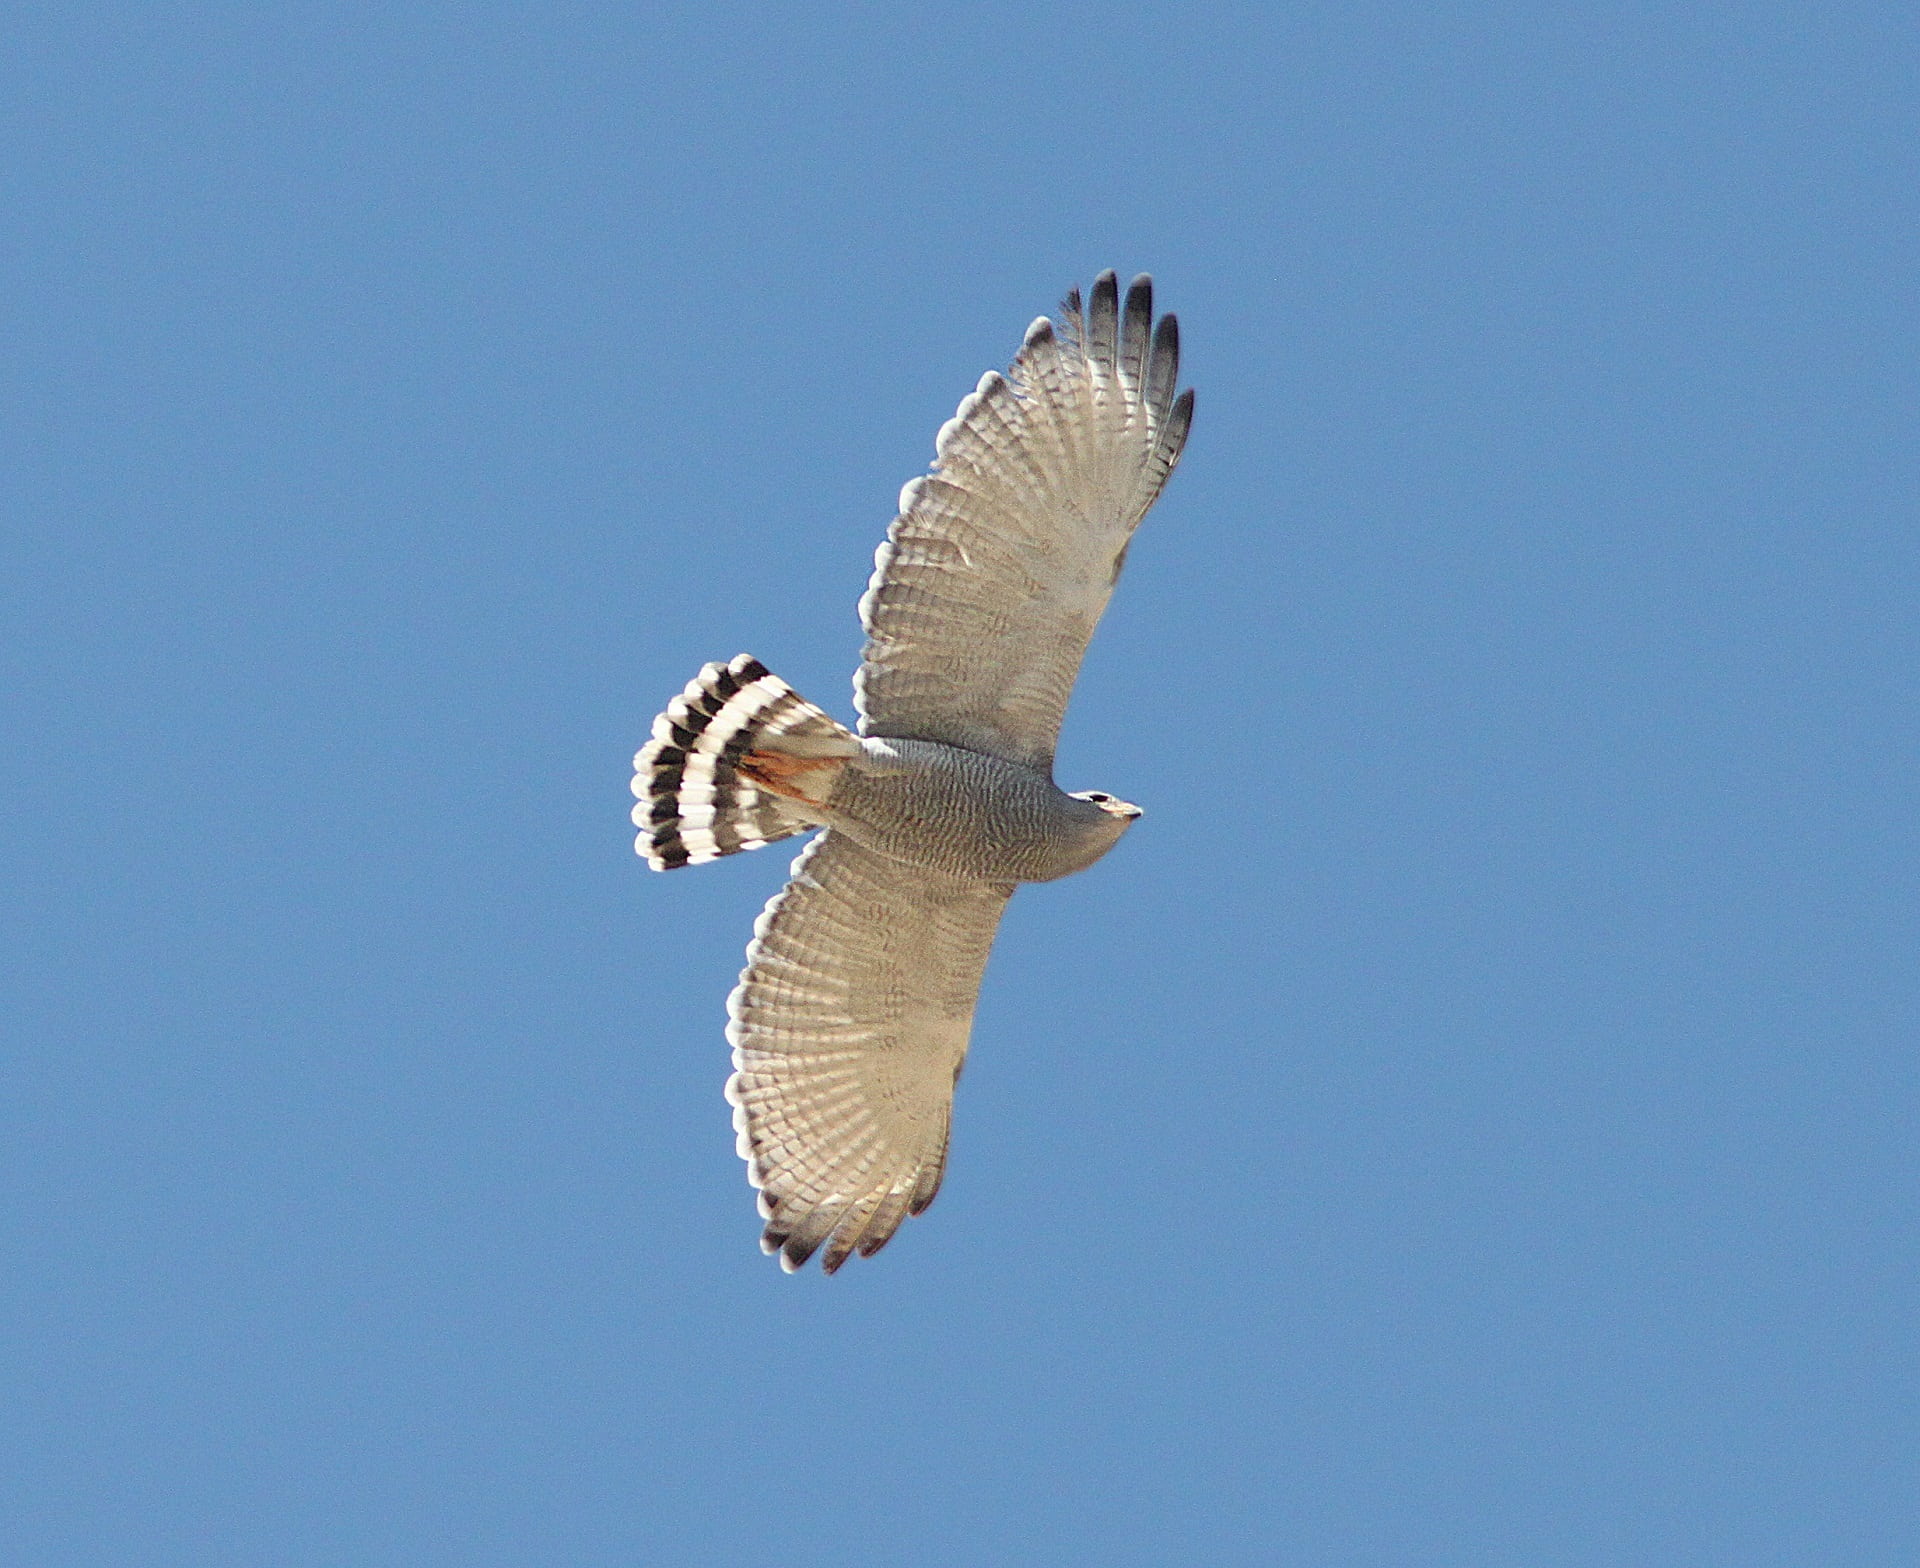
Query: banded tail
point(738, 760)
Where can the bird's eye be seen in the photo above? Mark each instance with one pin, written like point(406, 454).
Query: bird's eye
point(1098, 795)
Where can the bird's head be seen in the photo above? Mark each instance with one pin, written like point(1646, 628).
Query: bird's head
point(1112, 805)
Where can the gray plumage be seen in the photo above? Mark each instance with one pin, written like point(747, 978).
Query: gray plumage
point(967, 814)
point(851, 1019)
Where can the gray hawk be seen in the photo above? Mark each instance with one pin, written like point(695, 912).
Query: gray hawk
point(851, 1019)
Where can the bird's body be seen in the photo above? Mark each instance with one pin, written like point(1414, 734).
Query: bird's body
point(850, 1023)
point(967, 814)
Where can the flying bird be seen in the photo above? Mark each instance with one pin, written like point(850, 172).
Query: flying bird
point(850, 1022)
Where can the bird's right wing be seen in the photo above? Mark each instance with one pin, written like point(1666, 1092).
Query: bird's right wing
point(1001, 561)
point(849, 1027)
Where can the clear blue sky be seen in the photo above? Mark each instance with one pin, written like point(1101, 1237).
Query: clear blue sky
point(1471, 1121)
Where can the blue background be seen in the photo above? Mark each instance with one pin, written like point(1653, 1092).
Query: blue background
point(1470, 1121)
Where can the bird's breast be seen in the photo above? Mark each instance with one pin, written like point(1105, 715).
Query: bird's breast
point(966, 814)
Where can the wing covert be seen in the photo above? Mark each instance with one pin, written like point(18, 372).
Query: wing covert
point(1002, 559)
point(849, 1027)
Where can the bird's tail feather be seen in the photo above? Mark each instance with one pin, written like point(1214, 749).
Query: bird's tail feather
point(738, 760)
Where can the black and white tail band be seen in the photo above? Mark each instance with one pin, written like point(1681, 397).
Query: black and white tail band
point(738, 760)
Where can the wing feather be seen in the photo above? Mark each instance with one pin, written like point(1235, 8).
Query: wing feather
point(849, 1027)
point(1001, 561)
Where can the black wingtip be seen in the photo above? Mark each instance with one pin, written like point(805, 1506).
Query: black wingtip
point(1166, 343)
point(1163, 365)
point(1106, 295)
point(1179, 422)
point(1140, 303)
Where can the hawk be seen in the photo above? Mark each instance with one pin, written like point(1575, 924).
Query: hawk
point(850, 1022)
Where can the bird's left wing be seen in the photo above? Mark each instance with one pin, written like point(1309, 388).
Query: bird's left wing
point(849, 1027)
point(1001, 561)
